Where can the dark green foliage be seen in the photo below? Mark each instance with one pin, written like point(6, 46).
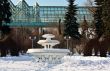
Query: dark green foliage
point(5, 11)
point(98, 18)
point(8, 43)
point(6, 29)
point(71, 26)
point(104, 11)
point(102, 25)
point(5, 15)
point(106, 16)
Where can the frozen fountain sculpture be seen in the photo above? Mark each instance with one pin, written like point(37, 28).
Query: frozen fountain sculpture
point(48, 43)
point(48, 53)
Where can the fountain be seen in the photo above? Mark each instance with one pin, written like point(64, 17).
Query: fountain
point(48, 53)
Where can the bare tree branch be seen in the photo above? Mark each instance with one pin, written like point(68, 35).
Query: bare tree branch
point(90, 6)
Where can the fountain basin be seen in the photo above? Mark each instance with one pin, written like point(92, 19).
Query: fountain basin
point(48, 50)
point(48, 55)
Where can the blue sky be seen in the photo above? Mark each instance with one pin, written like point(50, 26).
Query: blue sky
point(51, 2)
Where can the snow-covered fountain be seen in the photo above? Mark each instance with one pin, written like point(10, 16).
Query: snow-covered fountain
point(48, 53)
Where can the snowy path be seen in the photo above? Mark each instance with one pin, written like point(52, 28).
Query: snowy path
point(73, 63)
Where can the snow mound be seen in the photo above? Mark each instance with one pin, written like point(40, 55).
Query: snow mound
point(80, 63)
point(69, 63)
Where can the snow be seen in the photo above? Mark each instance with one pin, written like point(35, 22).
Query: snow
point(48, 36)
point(69, 63)
point(52, 50)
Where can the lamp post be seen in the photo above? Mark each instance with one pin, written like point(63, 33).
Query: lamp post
point(32, 38)
point(67, 41)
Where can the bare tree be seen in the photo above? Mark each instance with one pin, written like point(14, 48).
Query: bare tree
point(90, 5)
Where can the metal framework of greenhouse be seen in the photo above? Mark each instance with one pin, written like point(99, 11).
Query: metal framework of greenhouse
point(40, 16)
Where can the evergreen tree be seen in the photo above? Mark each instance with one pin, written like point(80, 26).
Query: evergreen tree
point(102, 18)
point(106, 16)
point(71, 26)
point(106, 21)
point(5, 15)
point(99, 25)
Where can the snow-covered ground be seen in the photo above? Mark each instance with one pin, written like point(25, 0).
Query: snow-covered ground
point(69, 63)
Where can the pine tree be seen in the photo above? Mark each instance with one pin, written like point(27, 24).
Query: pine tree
point(102, 18)
point(106, 21)
point(71, 26)
point(99, 25)
point(5, 15)
point(106, 16)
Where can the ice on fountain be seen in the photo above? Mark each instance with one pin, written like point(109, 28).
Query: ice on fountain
point(48, 36)
point(48, 54)
point(48, 43)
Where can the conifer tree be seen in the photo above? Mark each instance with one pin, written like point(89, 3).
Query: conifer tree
point(99, 25)
point(102, 18)
point(71, 26)
point(106, 21)
point(5, 15)
point(106, 16)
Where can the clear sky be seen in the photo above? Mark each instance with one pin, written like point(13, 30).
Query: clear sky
point(51, 2)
